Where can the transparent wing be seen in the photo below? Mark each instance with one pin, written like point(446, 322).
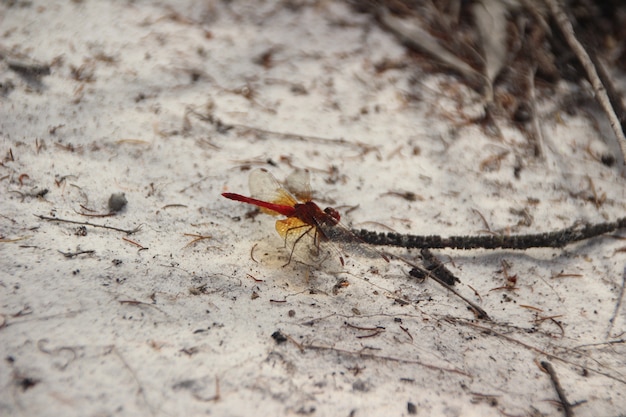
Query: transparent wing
point(306, 244)
point(324, 242)
point(348, 243)
point(264, 187)
point(299, 184)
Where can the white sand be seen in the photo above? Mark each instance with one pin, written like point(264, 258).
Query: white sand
point(183, 328)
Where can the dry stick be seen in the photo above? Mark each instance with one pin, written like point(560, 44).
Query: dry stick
point(365, 355)
point(75, 254)
point(489, 331)
point(103, 226)
point(567, 407)
point(557, 239)
point(437, 267)
point(614, 95)
point(567, 30)
point(539, 152)
point(608, 343)
point(618, 305)
point(480, 313)
point(211, 119)
point(303, 137)
point(140, 387)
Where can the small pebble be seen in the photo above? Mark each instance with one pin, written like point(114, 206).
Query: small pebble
point(117, 202)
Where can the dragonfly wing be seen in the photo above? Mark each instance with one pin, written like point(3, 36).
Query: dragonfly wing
point(299, 184)
point(292, 228)
point(348, 242)
point(304, 242)
point(264, 187)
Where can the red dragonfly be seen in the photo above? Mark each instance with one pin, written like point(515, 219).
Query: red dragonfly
point(306, 224)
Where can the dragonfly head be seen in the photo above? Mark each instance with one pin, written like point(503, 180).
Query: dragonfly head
point(333, 213)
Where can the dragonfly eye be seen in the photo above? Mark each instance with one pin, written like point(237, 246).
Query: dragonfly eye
point(333, 213)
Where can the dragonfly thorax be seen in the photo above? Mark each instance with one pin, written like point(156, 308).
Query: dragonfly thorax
point(310, 213)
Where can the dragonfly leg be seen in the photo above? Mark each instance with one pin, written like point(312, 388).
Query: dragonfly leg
point(295, 243)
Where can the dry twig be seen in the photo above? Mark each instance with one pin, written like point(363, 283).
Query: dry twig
point(557, 239)
point(567, 407)
point(103, 226)
point(599, 89)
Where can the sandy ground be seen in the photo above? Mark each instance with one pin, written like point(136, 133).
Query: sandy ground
point(172, 103)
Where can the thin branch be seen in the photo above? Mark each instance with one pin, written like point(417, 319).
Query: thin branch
point(490, 331)
point(567, 407)
point(614, 95)
point(224, 127)
point(305, 138)
point(599, 89)
point(480, 313)
point(538, 133)
point(363, 354)
point(618, 305)
point(557, 239)
point(140, 388)
point(434, 265)
point(103, 226)
point(77, 253)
